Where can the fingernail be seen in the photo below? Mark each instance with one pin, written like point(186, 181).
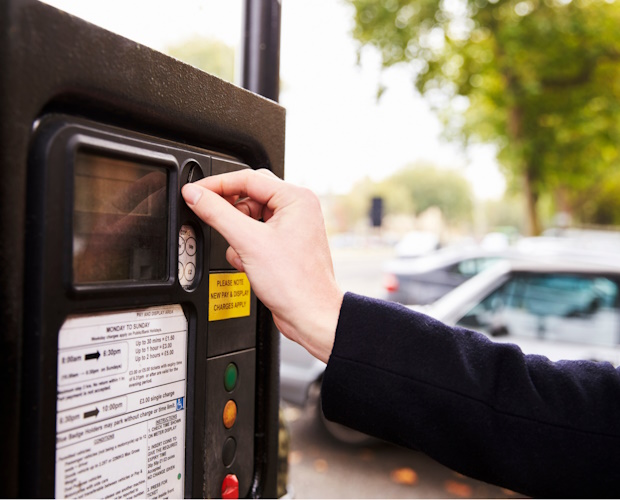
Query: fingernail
point(191, 194)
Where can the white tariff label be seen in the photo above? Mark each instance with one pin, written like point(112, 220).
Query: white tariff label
point(120, 407)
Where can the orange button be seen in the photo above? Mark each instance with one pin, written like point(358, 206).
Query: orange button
point(230, 414)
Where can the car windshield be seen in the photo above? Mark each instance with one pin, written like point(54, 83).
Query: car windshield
point(554, 307)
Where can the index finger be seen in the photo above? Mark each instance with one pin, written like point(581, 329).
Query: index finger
point(245, 184)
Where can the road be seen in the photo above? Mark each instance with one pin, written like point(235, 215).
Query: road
point(323, 468)
point(320, 467)
point(360, 270)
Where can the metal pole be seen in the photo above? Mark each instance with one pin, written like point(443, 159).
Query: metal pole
point(261, 48)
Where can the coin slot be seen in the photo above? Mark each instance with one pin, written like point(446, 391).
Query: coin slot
point(192, 172)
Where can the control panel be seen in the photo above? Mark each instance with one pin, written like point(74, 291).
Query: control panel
point(156, 340)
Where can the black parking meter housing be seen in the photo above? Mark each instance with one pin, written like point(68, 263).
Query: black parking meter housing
point(88, 117)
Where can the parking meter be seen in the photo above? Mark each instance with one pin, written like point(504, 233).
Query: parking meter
point(137, 361)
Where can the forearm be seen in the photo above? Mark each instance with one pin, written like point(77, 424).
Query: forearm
point(484, 409)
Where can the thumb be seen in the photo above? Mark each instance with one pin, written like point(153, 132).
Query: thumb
point(236, 227)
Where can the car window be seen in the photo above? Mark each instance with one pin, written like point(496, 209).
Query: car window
point(551, 306)
point(471, 267)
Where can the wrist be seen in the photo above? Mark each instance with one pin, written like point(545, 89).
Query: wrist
point(314, 325)
point(318, 332)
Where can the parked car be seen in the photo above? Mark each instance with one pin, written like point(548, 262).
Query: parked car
point(558, 308)
point(425, 279)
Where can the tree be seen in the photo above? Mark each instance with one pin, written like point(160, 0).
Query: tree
point(411, 191)
point(428, 186)
point(538, 78)
point(209, 55)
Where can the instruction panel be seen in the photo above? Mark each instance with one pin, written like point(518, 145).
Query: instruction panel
point(120, 408)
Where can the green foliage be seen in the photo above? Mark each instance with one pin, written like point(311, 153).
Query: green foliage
point(211, 56)
point(538, 78)
point(507, 212)
point(413, 190)
point(602, 207)
point(427, 186)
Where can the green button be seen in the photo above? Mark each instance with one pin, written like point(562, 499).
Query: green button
point(230, 376)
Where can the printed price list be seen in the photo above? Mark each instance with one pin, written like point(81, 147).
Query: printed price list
point(120, 410)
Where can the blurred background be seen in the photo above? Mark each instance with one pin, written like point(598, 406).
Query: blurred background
point(445, 138)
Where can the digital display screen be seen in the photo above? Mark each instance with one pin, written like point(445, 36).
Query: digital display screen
point(120, 220)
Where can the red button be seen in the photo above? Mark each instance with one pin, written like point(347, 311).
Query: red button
point(230, 487)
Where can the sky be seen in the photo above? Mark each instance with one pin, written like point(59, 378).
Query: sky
point(337, 133)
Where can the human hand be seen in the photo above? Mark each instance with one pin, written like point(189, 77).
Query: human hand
point(286, 258)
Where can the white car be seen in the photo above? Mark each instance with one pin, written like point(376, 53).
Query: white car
point(562, 310)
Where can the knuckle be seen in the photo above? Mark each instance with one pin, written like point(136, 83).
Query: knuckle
point(266, 171)
point(309, 197)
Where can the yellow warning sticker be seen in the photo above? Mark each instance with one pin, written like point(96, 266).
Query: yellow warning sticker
point(229, 296)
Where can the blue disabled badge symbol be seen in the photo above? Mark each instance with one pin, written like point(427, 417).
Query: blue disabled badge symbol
point(179, 404)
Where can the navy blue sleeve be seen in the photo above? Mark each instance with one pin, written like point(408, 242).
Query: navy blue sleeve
point(484, 409)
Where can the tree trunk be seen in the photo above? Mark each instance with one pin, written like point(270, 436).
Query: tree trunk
point(531, 199)
point(564, 211)
point(515, 135)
